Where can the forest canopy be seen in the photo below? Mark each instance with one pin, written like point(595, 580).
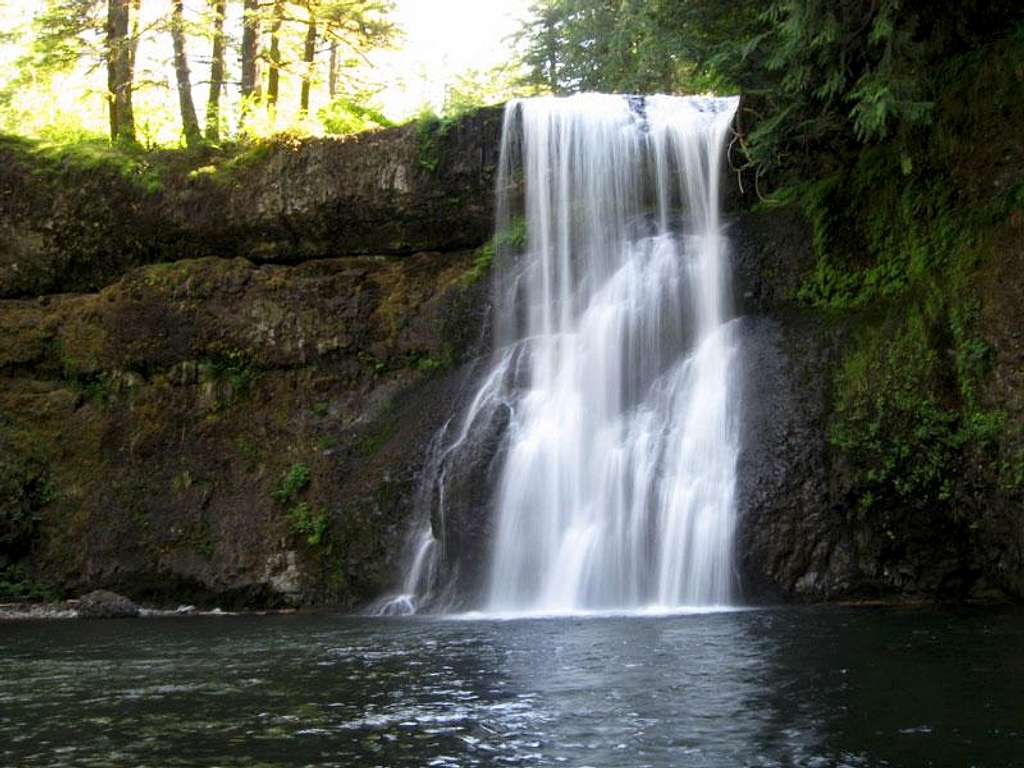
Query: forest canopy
point(257, 62)
point(820, 77)
point(820, 73)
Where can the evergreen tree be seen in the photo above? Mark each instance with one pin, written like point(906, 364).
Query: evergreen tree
point(106, 30)
point(218, 9)
point(189, 121)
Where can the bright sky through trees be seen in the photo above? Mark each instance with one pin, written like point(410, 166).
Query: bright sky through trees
point(439, 42)
point(444, 38)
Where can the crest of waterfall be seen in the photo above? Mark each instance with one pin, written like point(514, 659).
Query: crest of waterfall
point(613, 369)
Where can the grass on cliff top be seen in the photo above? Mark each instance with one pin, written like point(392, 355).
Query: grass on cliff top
point(67, 153)
point(149, 170)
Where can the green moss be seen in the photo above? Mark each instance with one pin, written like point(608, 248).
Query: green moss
point(372, 362)
point(135, 165)
point(374, 440)
point(904, 418)
point(892, 427)
point(293, 482)
point(181, 482)
point(167, 274)
point(430, 133)
point(429, 364)
point(377, 434)
point(514, 238)
point(230, 368)
point(309, 523)
point(254, 457)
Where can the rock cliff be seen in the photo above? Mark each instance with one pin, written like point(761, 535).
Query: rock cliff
point(221, 391)
point(219, 380)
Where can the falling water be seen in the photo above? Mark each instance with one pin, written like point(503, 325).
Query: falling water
point(613, 361)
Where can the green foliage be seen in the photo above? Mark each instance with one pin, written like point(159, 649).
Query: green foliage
point(513, 237)
point(905, 421)
point(53, 47)
point(822, 77)
point(628, 47)
point(481, 264)
point(482, 88)
point(345, 116)
point(182, 482)
point(231, 367)
point(429, 364)
point(69, 155)
point(303, 519)
point(293, 482)
point(902, 441)
point(430, 133)
point(309, 523)
point(17, 584)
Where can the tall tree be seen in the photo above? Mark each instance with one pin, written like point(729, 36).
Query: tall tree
point(120, 70)
point(274, 64)
point(189, 121)
point(106, 31)
point(351, 28)
point(219, 9)
point(251, 25)
point(332, 71)
point(308, 58)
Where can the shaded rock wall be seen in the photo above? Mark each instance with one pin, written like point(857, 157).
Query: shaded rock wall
point(154, 423)
point(802, 534)
point(170, 356)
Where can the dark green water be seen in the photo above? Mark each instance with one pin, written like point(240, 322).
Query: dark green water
point(817, 687)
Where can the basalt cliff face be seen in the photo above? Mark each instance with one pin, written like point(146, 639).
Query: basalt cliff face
point(221, 390)
point(807, 530)
point(218, 384)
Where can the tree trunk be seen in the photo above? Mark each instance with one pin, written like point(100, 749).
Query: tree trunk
point(189, 121)
point(308, 55)
point(332, 74)
point(274, 75)
point(119, 71)
point(251, 51)
point(136, 36)
point(216, 72)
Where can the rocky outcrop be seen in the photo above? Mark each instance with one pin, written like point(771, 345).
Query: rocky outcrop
point(101, 604)
point(77, 220)
point(803, 533)
point(219, 375)
point(158, 427)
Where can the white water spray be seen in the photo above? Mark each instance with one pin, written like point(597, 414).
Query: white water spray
point(614, 358)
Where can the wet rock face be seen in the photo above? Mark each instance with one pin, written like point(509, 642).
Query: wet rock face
point(802, 534)
point(101, 604)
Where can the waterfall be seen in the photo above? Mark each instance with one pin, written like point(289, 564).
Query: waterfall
point(614, 359)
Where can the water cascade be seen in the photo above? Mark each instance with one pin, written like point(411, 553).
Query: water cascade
point(614, 361)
